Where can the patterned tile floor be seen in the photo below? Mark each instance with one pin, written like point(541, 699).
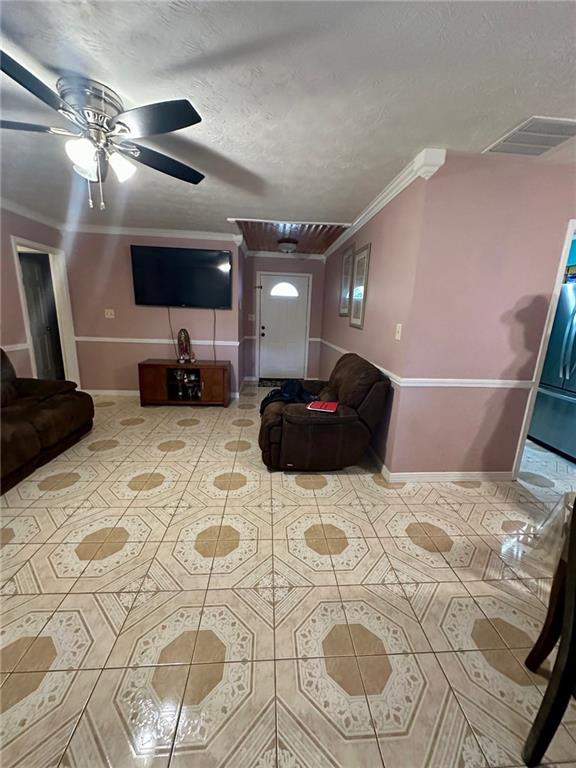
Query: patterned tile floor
point(168, 602)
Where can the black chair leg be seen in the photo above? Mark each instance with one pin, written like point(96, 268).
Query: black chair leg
point(552, 628)
point(556, 699)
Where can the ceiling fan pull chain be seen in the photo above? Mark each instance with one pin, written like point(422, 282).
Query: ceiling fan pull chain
point(90, 202)
point(102, 206)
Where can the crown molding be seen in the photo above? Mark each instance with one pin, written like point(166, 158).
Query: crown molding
point(243, 248)
point(21, 210)
point(102, 229)
point(424, 166)
point(235, 220)
point(289, 256)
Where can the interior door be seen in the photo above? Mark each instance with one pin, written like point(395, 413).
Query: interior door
point(37, 280)
point(283, 325)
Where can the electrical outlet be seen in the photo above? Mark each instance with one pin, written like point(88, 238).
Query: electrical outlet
point(109, 314)
point(251, 318)
point(398, 332)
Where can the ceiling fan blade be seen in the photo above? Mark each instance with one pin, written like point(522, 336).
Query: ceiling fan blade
point(32, 127)
point(152, 119)
point(32, 84)
point(162, 163)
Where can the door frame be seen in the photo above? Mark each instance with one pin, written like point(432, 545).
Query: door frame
point(60, 287)
point(259, 274)
point(553, 306)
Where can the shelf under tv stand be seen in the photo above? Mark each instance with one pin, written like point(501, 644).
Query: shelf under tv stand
point(159, 382)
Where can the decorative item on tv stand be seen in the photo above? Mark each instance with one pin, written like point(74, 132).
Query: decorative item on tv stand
point(185, 353)
point(188, 382)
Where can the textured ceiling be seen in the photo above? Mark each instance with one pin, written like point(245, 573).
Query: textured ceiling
point(309, 109)
point(310, 238)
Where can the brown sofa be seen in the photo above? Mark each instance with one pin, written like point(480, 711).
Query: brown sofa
point(292, 437)
point(39, 420)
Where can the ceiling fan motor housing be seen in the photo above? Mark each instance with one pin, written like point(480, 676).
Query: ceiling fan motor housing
point(95, 102)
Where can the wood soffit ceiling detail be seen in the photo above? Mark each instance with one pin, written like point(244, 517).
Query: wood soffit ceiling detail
point(312, 238)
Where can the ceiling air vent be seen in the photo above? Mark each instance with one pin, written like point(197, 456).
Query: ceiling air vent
point(535, 136)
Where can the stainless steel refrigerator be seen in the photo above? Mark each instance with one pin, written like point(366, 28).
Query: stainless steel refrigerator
point(554, 419)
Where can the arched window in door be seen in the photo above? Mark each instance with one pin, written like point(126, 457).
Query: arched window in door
point(287, 290)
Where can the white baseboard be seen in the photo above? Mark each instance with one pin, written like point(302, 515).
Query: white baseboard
point(113, 392)
point(436, 477)
point(443, 477)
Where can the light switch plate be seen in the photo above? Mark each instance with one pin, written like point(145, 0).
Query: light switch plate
point(398, 332)
point(109, 314)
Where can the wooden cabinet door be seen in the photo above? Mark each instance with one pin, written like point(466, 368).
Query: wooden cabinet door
point(212, 385)
point(152, 383)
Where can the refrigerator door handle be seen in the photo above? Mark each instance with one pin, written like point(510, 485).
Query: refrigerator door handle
point(564, 365)
point(569, 352)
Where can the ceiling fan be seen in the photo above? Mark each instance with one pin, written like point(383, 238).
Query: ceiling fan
point(102, 132)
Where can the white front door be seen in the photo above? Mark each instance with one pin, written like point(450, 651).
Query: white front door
point(283, 327)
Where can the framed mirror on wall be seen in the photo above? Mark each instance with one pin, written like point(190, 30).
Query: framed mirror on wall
point(346, 282)
point(359, 289)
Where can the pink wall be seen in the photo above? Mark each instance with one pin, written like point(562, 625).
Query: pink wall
point(21, 360)
point(493, 229)
point(394, 235)
point(100, 276)
point(453, 429)
point(12, 329)
point(315, 267)
point(467, 262)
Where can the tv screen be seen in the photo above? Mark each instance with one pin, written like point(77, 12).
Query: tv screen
point(182, 277)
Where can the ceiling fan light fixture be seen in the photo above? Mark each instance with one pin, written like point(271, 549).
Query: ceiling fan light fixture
point(82, 152)
point(89, 172)
point(122, 167)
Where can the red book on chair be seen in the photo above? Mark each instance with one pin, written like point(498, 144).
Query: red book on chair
point(322, 405)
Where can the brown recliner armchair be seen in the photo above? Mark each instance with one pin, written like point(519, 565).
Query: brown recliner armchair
point(292, 437)
point(39, 420)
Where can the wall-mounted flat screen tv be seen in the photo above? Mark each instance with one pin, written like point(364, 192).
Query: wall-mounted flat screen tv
point(182, 277)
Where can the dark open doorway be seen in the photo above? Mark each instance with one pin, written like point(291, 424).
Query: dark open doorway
point(39, 291)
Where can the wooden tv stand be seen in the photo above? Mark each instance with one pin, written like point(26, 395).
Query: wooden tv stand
point(160, 384)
